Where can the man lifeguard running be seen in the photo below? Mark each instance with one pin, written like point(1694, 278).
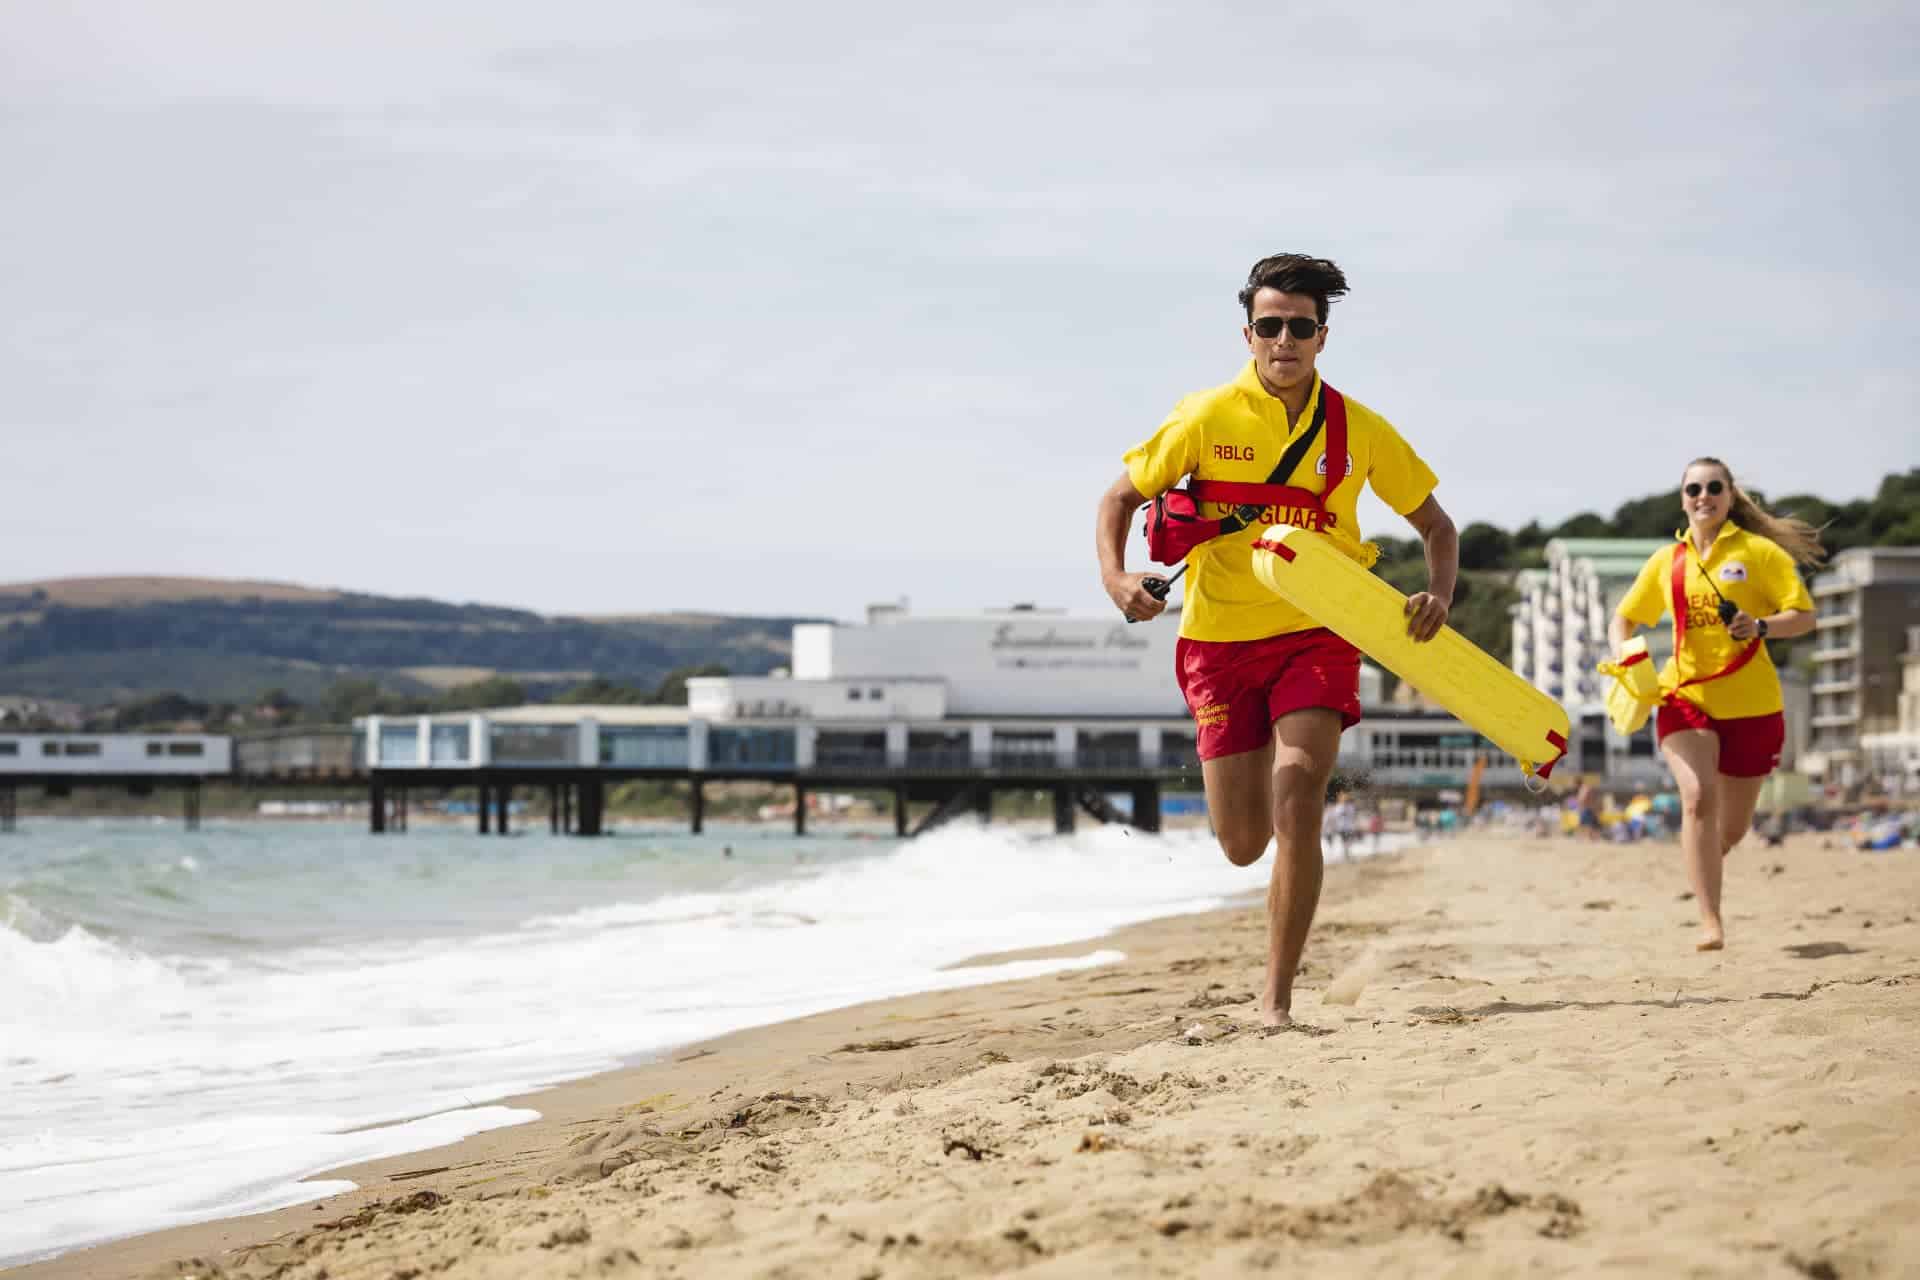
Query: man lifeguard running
point(1270, 690)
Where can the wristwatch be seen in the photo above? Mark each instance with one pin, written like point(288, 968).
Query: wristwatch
point(1760, 624)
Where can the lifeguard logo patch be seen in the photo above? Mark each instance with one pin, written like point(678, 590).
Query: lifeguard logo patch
point(1320, 467)
point(1733, 571)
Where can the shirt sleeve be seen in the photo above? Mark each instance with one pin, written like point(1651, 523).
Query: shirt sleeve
point(1400, 476)
point(1784, 585)
point(1646, 600)
point(1157, 464)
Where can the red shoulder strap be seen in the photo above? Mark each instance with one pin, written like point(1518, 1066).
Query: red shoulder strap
point(1679, 594)
point(1336, 440)
point(1680, 623)
point(1740, 660)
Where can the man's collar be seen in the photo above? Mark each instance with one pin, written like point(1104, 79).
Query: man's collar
point(1249, 381)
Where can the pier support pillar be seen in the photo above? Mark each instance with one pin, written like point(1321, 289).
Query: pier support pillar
point(484, 794)
point(400, 805)
point(568, 826)
point(553, 808)
point(8, 808)
point(590, 814)
point(191, 806)
point(1063, 811)
point(983, 803)
point(502, 800)
point(799, 809)
point(377, 808)
point(699, 805)
point(1146, 806)
point(899, 811)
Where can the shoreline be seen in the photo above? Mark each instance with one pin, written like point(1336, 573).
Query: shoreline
point(1526, 1016)
point(1085, 947)
point(563, 1104)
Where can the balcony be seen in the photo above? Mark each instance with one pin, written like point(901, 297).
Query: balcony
point(1848, 684)
point(1828, 621)
point(1835, 719)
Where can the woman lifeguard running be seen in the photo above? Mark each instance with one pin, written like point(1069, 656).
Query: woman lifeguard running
point(1730, 583)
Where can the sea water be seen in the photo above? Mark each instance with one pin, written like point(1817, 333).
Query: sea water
point(191, 1023)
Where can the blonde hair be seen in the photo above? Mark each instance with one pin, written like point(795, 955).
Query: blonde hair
point(1790, 533)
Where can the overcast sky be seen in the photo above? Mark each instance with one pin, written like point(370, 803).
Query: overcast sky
point(610, 307)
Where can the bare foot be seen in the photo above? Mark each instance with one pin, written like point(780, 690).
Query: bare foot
point(1711, 938)
point(1275, 1019)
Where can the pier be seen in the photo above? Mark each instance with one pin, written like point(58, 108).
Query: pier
point(135, 763)
point(1105, 770)
point(576, 797)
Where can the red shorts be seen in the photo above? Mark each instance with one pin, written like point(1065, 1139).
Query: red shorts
point(1236, 689)
point(1749, 745)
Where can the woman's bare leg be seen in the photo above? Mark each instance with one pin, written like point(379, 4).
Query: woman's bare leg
point(1738, 797)
point(1694, 757)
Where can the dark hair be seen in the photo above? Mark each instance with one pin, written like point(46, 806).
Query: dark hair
point(1791, 534)
point(1318, 278)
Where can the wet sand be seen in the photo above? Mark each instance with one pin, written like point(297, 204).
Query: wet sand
point(1510, 1061)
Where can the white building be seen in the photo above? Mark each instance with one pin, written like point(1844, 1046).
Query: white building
point(1021, 690)
point(1560, 635)
point(1560, 623)
point(84, 755)
point(1866, 601)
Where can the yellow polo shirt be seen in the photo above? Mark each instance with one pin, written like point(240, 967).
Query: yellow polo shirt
point(1237, 432)
point(1751, 571)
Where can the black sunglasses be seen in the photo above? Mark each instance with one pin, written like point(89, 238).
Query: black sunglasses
point(1713, 487)
point(1301, 327)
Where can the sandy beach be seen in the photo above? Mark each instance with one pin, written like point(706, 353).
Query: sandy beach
point(1510, 1061)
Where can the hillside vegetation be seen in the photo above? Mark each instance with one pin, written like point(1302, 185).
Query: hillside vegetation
point(144, 651)
point(214, 647)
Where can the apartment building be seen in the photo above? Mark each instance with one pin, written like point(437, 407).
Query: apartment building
point(1867, 601)
point(1560, 623)
point(1894, 757)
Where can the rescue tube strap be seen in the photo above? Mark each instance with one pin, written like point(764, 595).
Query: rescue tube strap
point(1559, 745)
point(1280, 549)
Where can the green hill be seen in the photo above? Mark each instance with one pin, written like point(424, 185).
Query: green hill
point(100, 641)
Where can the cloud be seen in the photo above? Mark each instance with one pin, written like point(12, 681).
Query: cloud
point(751, 308)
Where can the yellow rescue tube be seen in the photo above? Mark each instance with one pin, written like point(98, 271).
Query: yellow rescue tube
point(1314, 576)
point(1635, 687)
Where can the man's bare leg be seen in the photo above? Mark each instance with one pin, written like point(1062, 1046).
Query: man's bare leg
point(1239, 802)
point(1305, 745)
point(1738, 798)
point(1694, 757)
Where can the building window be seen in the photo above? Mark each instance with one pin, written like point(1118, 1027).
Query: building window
point(645, 746)
point(938, 749)
point(853, 695)
point(447, 744)
point(49, 748)
point(399, 744)
point(533, 744)
point(873, 695)
point(749, 748)
point(83, 749)
point(186, 749)
point(156, 749)
point(9, 748)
